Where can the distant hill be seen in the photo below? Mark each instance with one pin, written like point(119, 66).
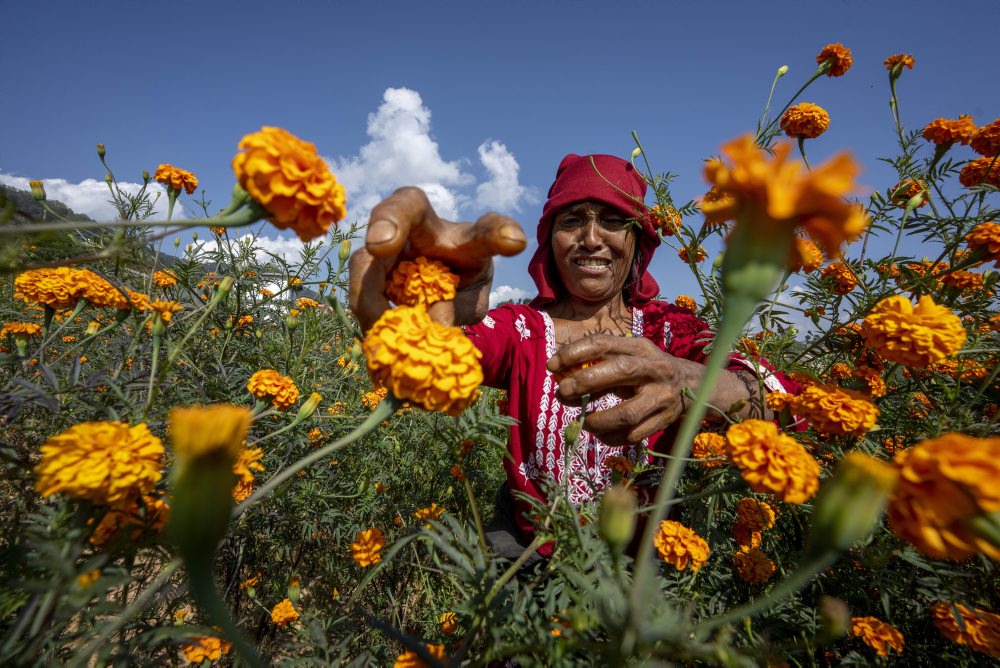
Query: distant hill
point(27, 209)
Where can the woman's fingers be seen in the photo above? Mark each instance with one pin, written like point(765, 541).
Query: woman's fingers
point(630, 421)
point(590, 348)
point(392, 220)
point(366, 295)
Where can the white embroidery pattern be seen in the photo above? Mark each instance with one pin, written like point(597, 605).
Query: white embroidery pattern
point(489, 322)
point(583, 471)
point(522, 327)
point(770, 382)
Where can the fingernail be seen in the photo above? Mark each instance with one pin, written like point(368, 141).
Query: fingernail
point(511, 232)
point(381, 232)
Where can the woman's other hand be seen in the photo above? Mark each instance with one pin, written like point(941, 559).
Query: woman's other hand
point(404, 226)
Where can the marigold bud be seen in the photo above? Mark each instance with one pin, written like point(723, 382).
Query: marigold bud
point(834, 616)
point(616, 524)
point(345, 251)
point(108, 178)
point(177, 242)
point(226, 284)
point(37, 190)
point(93, 327)
point(851, 502)
point(194, 235)
point(294, 589)
point(572, 433)
point(307, 408)
point(100, 151)
point(782, 71)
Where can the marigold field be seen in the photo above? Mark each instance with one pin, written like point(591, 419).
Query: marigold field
point(198, 467)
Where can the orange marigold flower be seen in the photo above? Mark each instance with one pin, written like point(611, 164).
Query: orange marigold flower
point(164, 279)
point(306, 303)
point(421, 282)
point(154, 513)
point(106, 463)
point(24, 329)
point(778, 195)
point(915, 337)
point(877, 634)
point(976, 628)
point(200, 648)
point(804, 256)
point(248, 461)
point(252, 582)
point(431, 512)
point(457, 472)
point(413, 660)
point(772, 462)
point(986, 142)
point(963, 281)
point(265, 293)
point(618, 464)
point(448, 622)
point(980, 171)
point(166, 309)
point(839, 57)
point(269, 385)
point(756, 514)
point(55, 288)
point(434, 366)
point(833, 410)
point(710, 448)
point(942, 131)
point(903, 60)
point(315, 435)
point(175, 178)
point(373, 398)
point(805, 120)
point(901, 193)
point(748, 346)
point(841, 276)
point(699, 255)
point(680, 546)
point(666, 219)
point(873, 379)
point(840, 371)
point(984, 241)
point(284, 613)
point(366, 549)
point(288, 178)
point(744, 535)
point(685, 302)
point(753, 566)
point(944, 483)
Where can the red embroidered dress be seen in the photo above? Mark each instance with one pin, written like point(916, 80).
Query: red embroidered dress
point(517, 341)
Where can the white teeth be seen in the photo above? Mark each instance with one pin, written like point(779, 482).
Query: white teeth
point(592, 262)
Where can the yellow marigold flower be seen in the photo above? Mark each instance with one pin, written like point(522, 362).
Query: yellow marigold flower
point(984, 240)
point(24, 329)
point(419, 360)
point(785, 194)
point(753, 566)
point(986, 142)
point(164, 279)
point(166, 309)
point(666, 219)
point(306, 303)
point(421, 282)
point(265, 293)
point(744, 535)
point(176, 178)
point(840, 371)
point(942, 131)
point(915, 337)
point(685, 302)
point(841, 276)
point(699, 255)
point(315, 435)
point(903, 60)
point(680, 546)
point(978, 629)
point(904, 191)
point(963, 281)
point(269, 385)
point(873, 379)
point(248, 461)
point(944, 483)
point(289, 179)
point(244, 321)
point(833, 410)
point(106, 463)
point(431, 512)
point(214, 229)
point(710, 448)
point(448, 622)
point(877, 634)
point(205, 647)
point(756, 514)
point(84, 580)
point(839, 57)
point(284, 613)
point(618, 464)
point(413, 660)
point(55, 288)
point(777, 400)
point(373, 398)
point(772, 462)
point(805, 120)
point(804, 256)
point(366, 549)
point(980, 171)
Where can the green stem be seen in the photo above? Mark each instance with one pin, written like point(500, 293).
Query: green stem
point(802, 152)
point(152, 374)
point(381, 412)
point(207, 596)
point(802, 575)
point(512, 570)
point(172, 194)
point(244, 216)
point(474, 507)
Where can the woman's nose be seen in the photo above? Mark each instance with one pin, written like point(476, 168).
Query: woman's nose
point(590, 234)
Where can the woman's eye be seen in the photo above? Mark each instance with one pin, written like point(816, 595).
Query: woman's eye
point(615, 223)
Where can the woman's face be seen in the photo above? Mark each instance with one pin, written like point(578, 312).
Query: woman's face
point(592, 247)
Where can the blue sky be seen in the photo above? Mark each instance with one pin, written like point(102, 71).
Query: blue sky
point(479, 101)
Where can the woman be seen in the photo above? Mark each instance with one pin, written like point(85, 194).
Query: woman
point(595, 306)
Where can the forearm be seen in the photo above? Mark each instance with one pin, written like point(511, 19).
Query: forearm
point(740, 389)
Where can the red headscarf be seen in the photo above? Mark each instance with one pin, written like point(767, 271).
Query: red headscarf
point(606, 179)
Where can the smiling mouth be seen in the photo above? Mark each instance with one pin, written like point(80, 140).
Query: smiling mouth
point(592, 262)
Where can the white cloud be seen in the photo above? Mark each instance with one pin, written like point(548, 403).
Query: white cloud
point(401, 151)
point(287, 248)
point(92, 197)
point(502, 191)
point(503, 293)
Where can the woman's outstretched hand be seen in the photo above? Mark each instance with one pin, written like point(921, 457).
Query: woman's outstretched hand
point(404, 226)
